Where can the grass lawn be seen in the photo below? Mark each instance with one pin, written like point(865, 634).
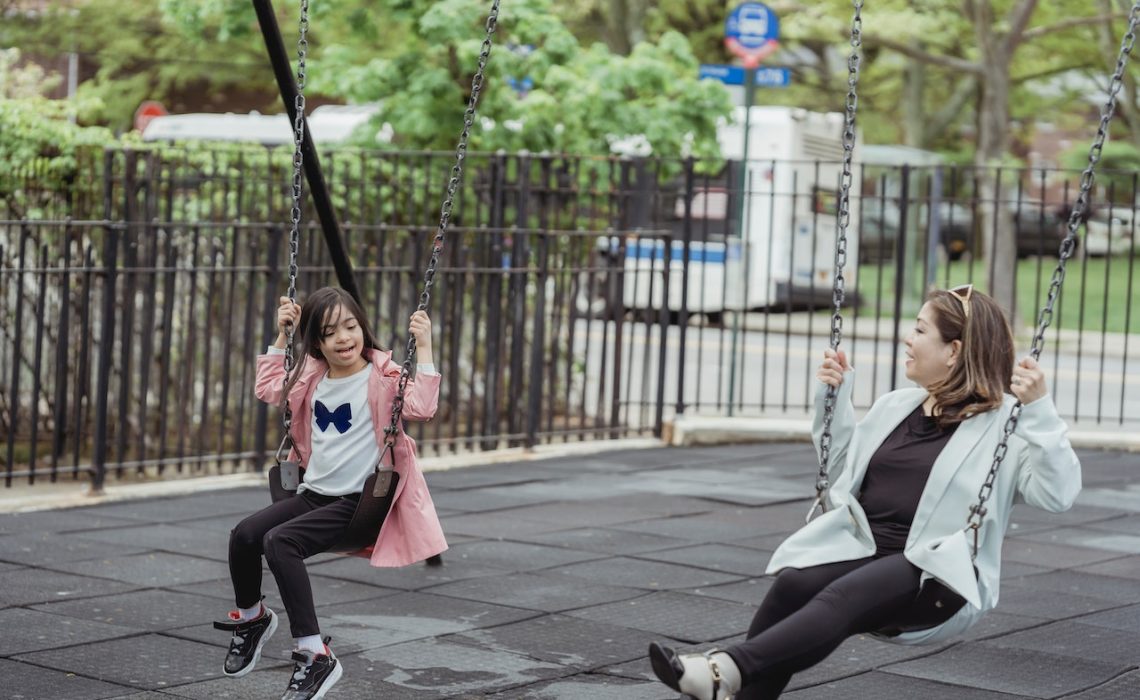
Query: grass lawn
point(1095, 295)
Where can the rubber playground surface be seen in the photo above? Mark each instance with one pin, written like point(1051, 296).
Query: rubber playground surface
point(560, 573)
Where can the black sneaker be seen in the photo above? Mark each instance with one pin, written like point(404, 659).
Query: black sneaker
point(313, 675)
point(247, 640)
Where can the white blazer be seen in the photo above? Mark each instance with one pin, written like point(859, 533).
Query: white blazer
point(1040, 469)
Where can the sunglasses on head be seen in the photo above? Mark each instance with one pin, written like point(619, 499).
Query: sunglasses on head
point(963, 293)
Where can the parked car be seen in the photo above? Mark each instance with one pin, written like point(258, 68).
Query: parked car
point(1038, 229)
point(1109, 231)
point(880, 227)
point(956, 229)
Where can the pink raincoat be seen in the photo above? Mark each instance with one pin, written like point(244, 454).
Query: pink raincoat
point(412, 531)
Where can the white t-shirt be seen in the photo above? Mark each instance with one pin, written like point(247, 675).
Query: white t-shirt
point(344, 445)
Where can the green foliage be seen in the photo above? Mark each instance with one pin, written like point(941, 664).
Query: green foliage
point(39, 152)
point(700, 21)
point(1116, 155)
point(18, 81)
point(136, 55)
point(1119, 163)
point(418, 64)
point(417, 57)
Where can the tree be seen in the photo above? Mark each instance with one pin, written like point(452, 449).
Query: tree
point(22, 81)
point(621, 24)
point(128, 54)
point(582, 98)
point(978, 41)
point(1109, 40)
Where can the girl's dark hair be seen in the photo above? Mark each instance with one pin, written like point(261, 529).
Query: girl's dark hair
point(321, 309)
point(978, 381)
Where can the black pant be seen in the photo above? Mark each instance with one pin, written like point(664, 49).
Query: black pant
point(287, 532)
point(809, 612)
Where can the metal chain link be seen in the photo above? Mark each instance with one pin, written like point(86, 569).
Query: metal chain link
point(444, 217)
point(1068, 245)
point(822, 483)
point(295, 213)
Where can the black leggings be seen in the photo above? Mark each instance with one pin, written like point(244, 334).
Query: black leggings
point(287, 532)
point(809, 612)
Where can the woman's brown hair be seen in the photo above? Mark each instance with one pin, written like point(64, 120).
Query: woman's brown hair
point(978, 381)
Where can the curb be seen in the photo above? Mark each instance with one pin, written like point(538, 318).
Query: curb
point(692, 431)
point(686, 431)
point(881, 329)
point(81, 496)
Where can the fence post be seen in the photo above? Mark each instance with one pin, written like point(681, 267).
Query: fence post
point(494, 301)
point(900, 274)
point(516, 293)
point(538, 339)
point(617, 294)
point(272, 287)
point(13, 411)
point(686, 252)
point(106, 330)
point(62, 356)
point(130, 261)
point(663, 318)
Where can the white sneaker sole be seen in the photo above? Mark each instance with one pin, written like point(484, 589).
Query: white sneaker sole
point(334, 676)
point(256, 652)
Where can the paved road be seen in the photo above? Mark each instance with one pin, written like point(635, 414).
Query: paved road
point(560, 573)
point(775, 371)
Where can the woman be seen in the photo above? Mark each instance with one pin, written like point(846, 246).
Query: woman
point(891, 554)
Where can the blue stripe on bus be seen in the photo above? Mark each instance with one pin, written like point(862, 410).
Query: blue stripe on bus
point(713, 253)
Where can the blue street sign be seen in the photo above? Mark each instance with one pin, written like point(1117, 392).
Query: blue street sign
point(734, 75)
point(729, 75)
point(752, 25)
point(773, 77)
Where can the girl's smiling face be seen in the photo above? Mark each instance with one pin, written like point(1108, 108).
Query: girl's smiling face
point(929, 358)
point(342, 343)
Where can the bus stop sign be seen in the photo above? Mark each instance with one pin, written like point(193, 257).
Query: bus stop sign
point(751, 32)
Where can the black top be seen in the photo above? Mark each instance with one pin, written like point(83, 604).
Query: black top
point(896, 476)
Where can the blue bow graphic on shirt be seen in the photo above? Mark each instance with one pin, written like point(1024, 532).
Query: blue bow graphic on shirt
point(341, 417)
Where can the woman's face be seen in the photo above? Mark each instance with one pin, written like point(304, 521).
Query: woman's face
point(342, 343)
point(929, 358)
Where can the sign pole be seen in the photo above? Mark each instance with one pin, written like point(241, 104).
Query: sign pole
point(750, 67)
point(751, 32)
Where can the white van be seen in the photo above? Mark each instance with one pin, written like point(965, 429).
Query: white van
point(329, 124)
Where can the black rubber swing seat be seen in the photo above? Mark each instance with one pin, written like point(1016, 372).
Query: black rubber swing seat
point(371, 510)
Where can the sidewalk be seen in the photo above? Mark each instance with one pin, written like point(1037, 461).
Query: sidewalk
point(867, 326)
point(560, 573)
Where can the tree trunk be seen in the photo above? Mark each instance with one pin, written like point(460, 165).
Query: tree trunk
point(914, 106)
point(998, 241)
point(625, 20)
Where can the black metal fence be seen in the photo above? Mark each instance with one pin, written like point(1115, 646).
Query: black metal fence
point(139, 285)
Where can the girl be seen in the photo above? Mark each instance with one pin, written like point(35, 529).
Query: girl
point(891, 555)
point(341, 400)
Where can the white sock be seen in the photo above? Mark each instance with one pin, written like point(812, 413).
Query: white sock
point(250, 613)
point(697, 678)
point(312, 643)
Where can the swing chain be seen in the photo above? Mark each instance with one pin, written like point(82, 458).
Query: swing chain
point(444, 217)
point(822, 483)
point(295, 213)
point(1068, 245)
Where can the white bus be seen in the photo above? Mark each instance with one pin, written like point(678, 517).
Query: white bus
point(766, 243)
